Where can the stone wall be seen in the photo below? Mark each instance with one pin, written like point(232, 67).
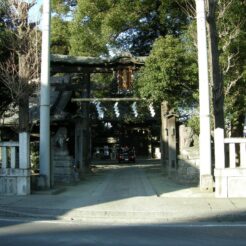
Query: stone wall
point(14, 181)
point(187, 171)
point(62, 162)
point(63, 169)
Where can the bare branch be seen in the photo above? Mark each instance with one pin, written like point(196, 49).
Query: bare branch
point(188, 7)
point(224, 7)
point(232, 84)
point(231, 62)
point(22, 68)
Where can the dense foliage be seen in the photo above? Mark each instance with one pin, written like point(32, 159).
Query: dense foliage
point(162, 29)
point(232, 43)
point(170, 73)
point(105, 27)
point(122, 24)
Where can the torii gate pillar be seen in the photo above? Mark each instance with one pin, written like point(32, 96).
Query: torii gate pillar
point(206, 179)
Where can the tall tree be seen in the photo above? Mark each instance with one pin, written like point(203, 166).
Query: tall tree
point(60, 34)
point(226, 20)
point(170, 73)
point(20, 71)
point(121, 24)
point(99, 25)
point(232, 46)
point(4, 54)
point(216, 79)
point(62, 12)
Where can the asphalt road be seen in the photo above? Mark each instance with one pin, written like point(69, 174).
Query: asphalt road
point(35, 233)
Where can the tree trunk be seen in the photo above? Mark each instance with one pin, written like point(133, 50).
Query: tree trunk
point(214, 67)
point(23, 97)
point(238, 126)
point(86, 119)
point(23, 9)
point(24, 115)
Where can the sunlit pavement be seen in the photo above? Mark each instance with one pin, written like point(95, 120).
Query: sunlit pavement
point(125, 193)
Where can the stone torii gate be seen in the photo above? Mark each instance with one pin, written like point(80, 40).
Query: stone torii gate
point(85, 66)
point(205, 142)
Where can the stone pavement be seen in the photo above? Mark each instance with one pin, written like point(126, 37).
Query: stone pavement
point(125, 193)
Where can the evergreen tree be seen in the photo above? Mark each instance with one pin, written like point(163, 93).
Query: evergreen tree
point(96, 27)
point(232, 35)
point(170, 73)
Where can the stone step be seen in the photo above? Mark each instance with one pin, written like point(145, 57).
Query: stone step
point(64, 171)
point(63, 164)
point(63, 158)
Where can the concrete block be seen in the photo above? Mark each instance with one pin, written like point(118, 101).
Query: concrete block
point(41, 182)
point(23, 185)
point(181, 163)
point(206, 183)
point(191, 162)
point(17, 172)
point(11, 186)
point(3, 172)
point(230, 182)
point(8, 186)
point(221, 187)
point(192, 171)
point(1, 185)
point(62, 167)
point(236, 186)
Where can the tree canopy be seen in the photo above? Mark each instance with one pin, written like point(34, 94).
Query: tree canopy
point(232, 45)
point(161, 29)
point(122, 24)
point(105, 27)
point(153, 27)
point(170, 73)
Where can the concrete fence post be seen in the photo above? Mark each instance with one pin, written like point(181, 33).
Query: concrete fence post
point(243, 155)
point(23, 179)
point(4, 157)
point(219, 148)
point(24, 150)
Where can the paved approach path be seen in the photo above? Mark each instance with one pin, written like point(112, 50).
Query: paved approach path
point(131, 193)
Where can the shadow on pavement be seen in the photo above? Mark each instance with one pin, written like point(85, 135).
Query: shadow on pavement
point(175, 234)
point(128, 193)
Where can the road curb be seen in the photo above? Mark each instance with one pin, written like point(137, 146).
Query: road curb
point(120, 216)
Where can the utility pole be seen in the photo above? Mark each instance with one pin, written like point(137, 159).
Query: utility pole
point(44, 144)
point(206, 180)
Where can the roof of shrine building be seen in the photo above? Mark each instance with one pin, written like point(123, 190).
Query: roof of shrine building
point(80, 64)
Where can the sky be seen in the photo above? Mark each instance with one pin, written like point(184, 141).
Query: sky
point(34, 12)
